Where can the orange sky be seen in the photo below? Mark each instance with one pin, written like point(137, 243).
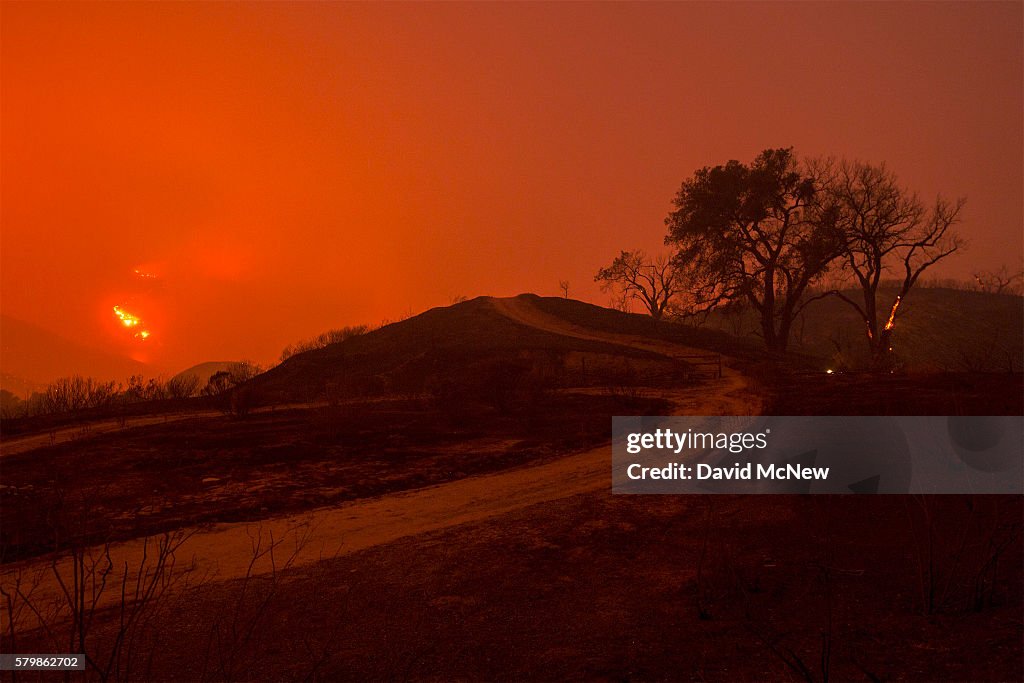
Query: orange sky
point(287, 168)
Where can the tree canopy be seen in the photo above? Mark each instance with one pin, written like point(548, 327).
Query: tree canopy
point(754, 232)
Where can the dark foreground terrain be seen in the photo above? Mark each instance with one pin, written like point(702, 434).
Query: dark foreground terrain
point(896, 394)
point(224, 469)
point(625, 588)
point(466, 530)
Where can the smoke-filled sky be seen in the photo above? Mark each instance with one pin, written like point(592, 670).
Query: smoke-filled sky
point(281, 169)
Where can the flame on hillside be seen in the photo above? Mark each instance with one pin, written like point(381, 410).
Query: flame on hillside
point(131, 321)
point(127, 319)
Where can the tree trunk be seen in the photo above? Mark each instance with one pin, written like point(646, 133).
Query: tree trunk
point(879, 338)
point(881, 350)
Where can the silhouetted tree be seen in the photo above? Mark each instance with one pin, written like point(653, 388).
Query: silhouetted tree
point(886, 229)
point(67, 394)
point(999, 281)
point(141, 389)
point(243, 400)
point(183, 386)
point(652, 281)
point(235, 374)
point(10, 405)
point(218, 383)
point(564, 286)
point(243, 371)
point(753, 232)
point(619, 302)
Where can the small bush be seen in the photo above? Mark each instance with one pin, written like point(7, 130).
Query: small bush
point(244, 400)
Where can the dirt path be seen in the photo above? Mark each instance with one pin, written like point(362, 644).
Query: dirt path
point(89, 430)
point(729, 395)
point(224, 551)
point(30, 442)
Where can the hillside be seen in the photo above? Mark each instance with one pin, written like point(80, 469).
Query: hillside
point(939, 330)
point(610, 320)
point(456, 345)
point(203, 371)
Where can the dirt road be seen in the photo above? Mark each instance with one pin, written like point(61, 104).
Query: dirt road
point(88, 430)
point(729, 395)
point(30, 442)
point(224, 551)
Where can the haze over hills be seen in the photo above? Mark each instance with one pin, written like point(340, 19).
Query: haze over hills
point(943, 330)
point(31, 357)
point(939, 330)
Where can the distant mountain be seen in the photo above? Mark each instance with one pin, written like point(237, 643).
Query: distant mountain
point(31, 357)
point(19, 386)
point(206, 370)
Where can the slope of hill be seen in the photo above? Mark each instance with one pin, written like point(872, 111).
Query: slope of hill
point(939, 329)
point(610, 320)
point(35, 356)
point(456, 344)
point(204, 371)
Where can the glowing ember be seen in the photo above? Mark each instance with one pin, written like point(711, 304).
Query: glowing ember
point(143, 335)
point(127, 319)
point(892, 314)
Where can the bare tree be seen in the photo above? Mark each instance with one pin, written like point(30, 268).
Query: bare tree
point(87, 583)
point(619, 302)
point(67, 394)
point(183, 386)
point(635, 276)
point(564, 286)
point(243, 371)
point(887, 230)
point(335, 336)
point(999, 281)
point(141, 389)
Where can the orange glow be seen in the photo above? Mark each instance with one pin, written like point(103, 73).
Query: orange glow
point(130, 320)
point(892, 315)
point(239, 176)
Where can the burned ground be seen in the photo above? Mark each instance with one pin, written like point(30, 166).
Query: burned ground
point(579, 583)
